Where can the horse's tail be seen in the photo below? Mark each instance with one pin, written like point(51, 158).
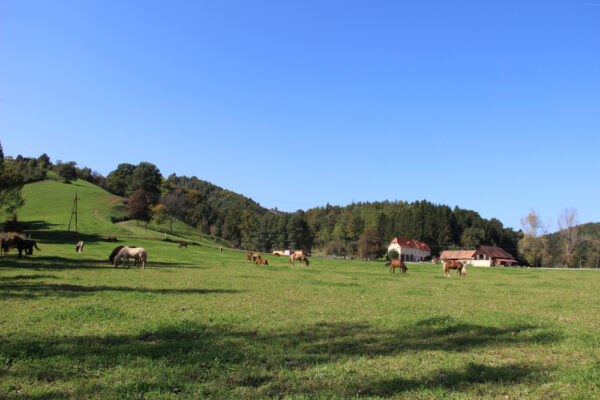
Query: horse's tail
point(306, 261)
point(36, 246)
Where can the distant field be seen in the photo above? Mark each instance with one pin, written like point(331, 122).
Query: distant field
point(202, 324)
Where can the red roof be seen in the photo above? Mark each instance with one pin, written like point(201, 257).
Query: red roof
point(494, 252)
point(411, 243)
point(457, 255)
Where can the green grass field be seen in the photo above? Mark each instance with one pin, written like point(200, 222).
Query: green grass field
point(198, 323)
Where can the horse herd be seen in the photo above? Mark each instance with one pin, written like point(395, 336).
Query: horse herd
point(20, 244)
point(140, 256)
point(299, 255)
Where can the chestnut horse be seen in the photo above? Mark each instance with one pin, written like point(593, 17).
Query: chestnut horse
point(255, 256)
point(261, 262)
point(300, 257)
point(396, 263)
point(248, 256)
point(461, 269)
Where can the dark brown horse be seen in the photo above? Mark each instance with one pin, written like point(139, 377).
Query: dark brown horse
point(183, 244)
point(396, 263)
point(461, 269)
point(111, 238)
point(22, 244)
point(301, 257)
point(261, 262)
point(5, 244)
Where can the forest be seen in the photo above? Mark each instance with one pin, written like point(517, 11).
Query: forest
point(360, 230)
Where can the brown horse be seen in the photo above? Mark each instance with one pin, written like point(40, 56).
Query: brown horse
point(261, 262)
point(461, 269)
point(22, 244)
point(183, 244)
point(111, 238)
point(255, 256)
point(301, 257)
point(396, 263)
point(248, 256)
point(5, 245)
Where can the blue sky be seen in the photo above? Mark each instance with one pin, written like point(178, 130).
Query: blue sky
point(489, 105)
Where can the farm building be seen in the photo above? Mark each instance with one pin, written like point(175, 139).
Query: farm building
point(464, 256)
point(410, 249)
point(484, 256)
point(487, 256)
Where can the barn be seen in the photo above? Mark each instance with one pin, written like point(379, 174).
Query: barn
point(410, 249)
point(484, 256)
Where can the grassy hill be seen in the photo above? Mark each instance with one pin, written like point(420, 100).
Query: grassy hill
point(48, 206)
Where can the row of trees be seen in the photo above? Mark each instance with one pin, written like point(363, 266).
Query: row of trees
point(572, 245)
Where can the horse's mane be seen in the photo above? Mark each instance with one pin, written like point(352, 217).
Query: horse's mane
point(112, 256)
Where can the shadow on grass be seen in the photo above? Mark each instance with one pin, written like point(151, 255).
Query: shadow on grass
point(21, 288)
point(220, 359)
point(49, 263)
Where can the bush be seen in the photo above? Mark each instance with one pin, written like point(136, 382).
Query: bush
point(393, 254)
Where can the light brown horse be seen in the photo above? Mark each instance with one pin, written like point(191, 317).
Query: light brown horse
point(301, 257)
point(461, 269)
point(261, 262)
point(396, 263)
point(255, 256)
point(248, 256)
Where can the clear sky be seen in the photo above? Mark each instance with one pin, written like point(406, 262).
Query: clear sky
point(489, 105)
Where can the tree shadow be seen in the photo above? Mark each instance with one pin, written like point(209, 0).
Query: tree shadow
point(54, 263)
point(188, 352)
point(454, 380)
point(21, 288)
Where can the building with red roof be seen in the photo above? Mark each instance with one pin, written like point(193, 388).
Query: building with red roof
point(484, 256)
point(410, 249)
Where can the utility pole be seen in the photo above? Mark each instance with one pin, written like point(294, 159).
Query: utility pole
point(73, 211)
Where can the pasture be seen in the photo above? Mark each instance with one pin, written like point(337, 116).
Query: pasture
point(202, 324)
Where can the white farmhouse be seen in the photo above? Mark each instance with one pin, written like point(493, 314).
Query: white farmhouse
point(410, 249)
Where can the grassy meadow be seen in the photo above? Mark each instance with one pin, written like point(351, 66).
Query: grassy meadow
point(198, 323)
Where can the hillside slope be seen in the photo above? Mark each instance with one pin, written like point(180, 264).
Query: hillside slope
point(48, 206)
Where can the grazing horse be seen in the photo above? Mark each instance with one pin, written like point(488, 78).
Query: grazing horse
point(248, 256)
point(183, 244)
point(261, 262)
point(5, 245)
point(255, 256)
point(138, 253)
point(111, 258)
point(301, 257)
point(396, 263)
point(22, 244)
point(461, 269)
